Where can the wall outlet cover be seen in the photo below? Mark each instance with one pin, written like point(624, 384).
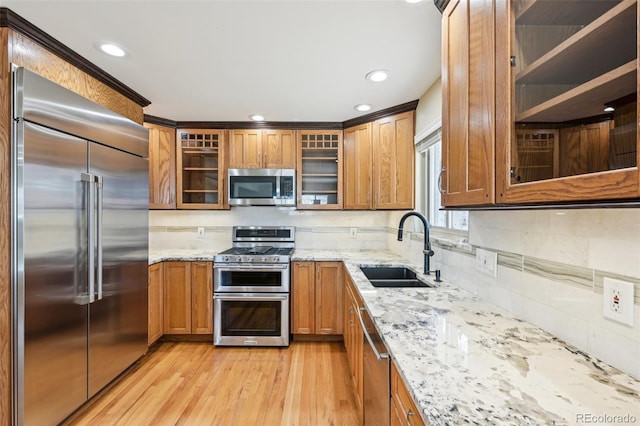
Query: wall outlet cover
point(617, 303)
point(200, 232)
point(487, 262)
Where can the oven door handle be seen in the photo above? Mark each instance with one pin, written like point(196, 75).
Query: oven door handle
point(252, 268)
point(250, 297)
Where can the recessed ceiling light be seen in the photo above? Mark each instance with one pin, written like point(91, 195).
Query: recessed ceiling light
point(112, 49)
point(609, 109)
point(377, 75)
point(256, 117)
point(413, 1)
point(362, 107)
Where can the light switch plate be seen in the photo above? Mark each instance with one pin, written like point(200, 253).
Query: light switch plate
point(617, 301)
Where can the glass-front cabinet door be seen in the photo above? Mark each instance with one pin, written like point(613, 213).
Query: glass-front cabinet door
point(200, 169)
point(319, 169)
point(570, 133)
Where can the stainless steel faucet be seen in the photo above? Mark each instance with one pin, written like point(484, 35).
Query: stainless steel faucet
point(427, 244)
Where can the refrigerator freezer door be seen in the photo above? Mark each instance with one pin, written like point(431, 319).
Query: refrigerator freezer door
point(54, 289)
point(118, 317)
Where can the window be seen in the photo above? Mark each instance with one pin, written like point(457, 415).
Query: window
point(428, 185)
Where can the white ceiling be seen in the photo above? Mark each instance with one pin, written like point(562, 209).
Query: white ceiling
point(221, 60)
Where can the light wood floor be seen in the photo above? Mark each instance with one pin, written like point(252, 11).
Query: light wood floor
point(195, 383)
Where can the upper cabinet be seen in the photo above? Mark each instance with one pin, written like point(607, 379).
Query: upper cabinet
point(393, 162)
point(201, 169)
point(162, 167)
point(468, 102)
point(572, 128)
point(253, 149)
point(560, 102)
point(379, 164)
point(357, 167)
point(319, 169)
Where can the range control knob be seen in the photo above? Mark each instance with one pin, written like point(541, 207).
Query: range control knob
point(276, 259)
point(226, 259)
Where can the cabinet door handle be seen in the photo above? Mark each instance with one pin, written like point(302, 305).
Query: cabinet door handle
point(440, 188)
point(410, 413)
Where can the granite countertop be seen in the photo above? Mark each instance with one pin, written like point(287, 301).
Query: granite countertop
point(467, 361)
point(156, 256)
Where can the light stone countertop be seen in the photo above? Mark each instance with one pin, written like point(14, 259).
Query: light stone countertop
point(156, 256)
point(468, 361)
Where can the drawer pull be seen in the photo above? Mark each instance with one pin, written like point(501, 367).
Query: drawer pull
point(410, 413)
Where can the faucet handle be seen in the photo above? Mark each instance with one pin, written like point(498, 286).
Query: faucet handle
point(428, 252)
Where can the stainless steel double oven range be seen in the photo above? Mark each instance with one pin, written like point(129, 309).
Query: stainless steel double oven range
point(251, 285)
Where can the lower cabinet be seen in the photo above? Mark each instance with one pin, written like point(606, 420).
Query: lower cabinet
point(188, 297)
point(156, 303)
point(316, 298)
point(353, 341)
point(403, 410)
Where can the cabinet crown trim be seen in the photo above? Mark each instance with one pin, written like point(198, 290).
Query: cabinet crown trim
point(11, 20)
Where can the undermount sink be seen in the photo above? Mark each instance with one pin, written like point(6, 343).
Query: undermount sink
point(392, 276)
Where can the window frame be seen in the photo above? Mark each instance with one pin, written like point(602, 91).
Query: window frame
point(428, 145)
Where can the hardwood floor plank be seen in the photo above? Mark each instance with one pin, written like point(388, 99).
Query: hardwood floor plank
point(195, 383)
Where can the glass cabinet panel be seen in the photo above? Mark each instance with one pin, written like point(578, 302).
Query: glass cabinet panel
point(319, 169)
point(574, 69)
point(200, 169)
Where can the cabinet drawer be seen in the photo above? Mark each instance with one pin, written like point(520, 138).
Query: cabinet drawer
point(407, 413)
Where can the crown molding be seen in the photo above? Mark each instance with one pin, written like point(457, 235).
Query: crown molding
point(13, 21)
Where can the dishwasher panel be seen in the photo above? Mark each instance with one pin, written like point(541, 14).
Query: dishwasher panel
point(377, 392)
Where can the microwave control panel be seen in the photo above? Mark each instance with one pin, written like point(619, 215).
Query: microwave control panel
point(286, 187)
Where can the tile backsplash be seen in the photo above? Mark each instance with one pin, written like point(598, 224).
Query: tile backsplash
point(551, 263)
point(551, 266)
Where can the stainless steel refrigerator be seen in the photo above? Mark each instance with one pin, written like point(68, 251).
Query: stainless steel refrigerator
point(80, 248)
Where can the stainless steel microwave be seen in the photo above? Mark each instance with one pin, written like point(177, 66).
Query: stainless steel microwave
point(262, 187)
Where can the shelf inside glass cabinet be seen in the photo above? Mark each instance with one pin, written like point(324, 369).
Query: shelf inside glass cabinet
point(574, 73)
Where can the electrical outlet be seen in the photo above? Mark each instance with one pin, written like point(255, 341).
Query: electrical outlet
point(617, 301)
point(353, 232)
point(487, 262)
point(200, 232)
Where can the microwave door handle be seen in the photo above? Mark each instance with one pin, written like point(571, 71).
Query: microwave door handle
point(278, 183)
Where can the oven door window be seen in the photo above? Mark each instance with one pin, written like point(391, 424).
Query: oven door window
point(253, 187)
point(251, 318)
point(251, 278)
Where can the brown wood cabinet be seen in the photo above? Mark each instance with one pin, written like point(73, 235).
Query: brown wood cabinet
point(317, 298)
point(201, 169)
point(353, 336)
point(578, 77)
point(358, 167)
point(188, 297)
point(538, 109)
point(379, 164)
point(468, 103)
point(403, 410)
point(272, 149)
point(319, 171)
point(162, 167)
point(393, 162)
point(156, 303)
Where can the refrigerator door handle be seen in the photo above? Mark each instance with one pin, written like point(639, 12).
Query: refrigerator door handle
point(86, 177)
point(98, 181)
